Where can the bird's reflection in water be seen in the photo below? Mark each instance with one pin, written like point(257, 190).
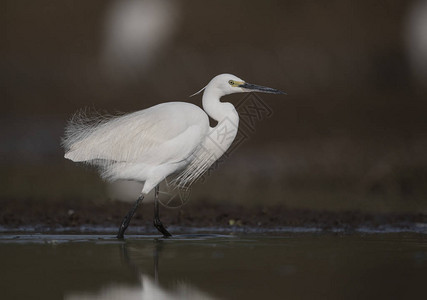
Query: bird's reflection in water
point(148, 287)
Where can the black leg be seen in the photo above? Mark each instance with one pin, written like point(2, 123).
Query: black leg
point(128, 217)
point(157, 223)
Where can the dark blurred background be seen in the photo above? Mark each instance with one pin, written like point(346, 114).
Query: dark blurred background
point(350, 135)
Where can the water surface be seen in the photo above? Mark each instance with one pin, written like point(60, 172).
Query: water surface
point(287, 265)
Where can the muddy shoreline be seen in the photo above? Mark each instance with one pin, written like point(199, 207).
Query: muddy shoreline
point(16, 214)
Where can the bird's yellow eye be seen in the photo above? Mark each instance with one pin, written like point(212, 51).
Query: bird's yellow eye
point(231, 82)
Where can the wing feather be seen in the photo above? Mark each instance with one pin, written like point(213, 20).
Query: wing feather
point(135, 137)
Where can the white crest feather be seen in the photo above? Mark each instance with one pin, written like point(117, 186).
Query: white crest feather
point(198, 92)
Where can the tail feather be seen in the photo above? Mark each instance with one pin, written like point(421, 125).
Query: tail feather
point(72, 155)
point(76, 141)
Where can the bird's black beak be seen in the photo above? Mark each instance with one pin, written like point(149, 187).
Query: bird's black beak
point(258, 88)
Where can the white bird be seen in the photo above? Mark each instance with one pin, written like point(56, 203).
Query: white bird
point(172, 138)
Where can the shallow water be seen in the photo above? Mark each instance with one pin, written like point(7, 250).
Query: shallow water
point(287, 265)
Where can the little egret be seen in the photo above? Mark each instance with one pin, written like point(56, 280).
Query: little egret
point(149, 145)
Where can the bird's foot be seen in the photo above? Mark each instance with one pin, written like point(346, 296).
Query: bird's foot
point(158, 224)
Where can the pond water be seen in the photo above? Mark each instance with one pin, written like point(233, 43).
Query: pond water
point(287, 265)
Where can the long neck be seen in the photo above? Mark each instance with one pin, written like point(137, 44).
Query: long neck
point(222, 135)
point(217, 140)
point(216, 109)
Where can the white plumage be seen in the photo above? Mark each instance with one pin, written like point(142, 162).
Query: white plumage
point(171, 138)
point(136, 146)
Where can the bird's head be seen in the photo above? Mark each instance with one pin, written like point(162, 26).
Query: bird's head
point(229, 84)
